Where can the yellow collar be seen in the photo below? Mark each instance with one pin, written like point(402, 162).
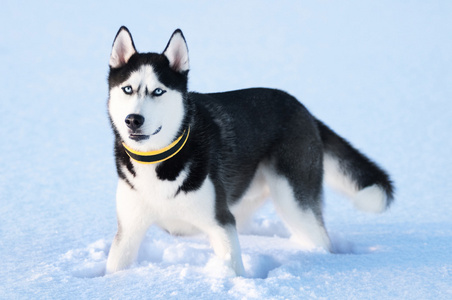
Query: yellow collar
point(153, 157)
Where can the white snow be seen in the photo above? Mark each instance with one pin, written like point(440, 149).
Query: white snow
point(379, 73)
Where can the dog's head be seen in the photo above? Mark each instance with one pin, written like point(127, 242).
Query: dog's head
point(147, 92)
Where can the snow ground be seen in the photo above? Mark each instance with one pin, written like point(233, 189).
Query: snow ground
point(379, 73)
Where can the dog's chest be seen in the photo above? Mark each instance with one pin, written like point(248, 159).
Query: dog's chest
point(153, 189)
point(171, 209)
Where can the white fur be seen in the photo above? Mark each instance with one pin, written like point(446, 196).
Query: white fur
point(305, 227)
point(225, 243)
point(153, 201)
point(253, 198)
point(122, 50)
point(143, 199)
point(133, 223)
point(335, 178)
point(166, 110)
point(370, 199)
point(177, 53)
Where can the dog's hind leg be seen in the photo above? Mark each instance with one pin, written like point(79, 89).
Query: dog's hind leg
point(305, 222)
point(295, 176)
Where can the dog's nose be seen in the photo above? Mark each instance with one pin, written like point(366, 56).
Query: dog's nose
point(134, 121)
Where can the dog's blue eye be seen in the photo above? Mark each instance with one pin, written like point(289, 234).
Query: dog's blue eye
point(158, 92)
point(128, 90)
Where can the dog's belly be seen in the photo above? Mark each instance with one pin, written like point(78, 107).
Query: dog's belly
point(181, 215)
point(253, 198)
point(242, 210)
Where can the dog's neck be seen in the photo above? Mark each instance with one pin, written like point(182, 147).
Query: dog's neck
point(156, 156)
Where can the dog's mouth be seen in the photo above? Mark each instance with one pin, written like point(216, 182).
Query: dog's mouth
point(138, 136)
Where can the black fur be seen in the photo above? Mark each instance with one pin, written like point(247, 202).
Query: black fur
point(121, 157)
point(353, 163)
point(170, 78)
point(232, 133)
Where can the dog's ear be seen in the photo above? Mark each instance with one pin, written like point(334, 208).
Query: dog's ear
point(123, 48)
point(177, 52)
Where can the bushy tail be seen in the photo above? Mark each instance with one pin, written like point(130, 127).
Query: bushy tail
point(349, 171)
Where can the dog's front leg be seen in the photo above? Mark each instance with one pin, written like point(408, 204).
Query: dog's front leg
point(225, 244)
point(133, 223)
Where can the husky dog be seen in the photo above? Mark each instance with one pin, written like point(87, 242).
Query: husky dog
point(191, 162)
